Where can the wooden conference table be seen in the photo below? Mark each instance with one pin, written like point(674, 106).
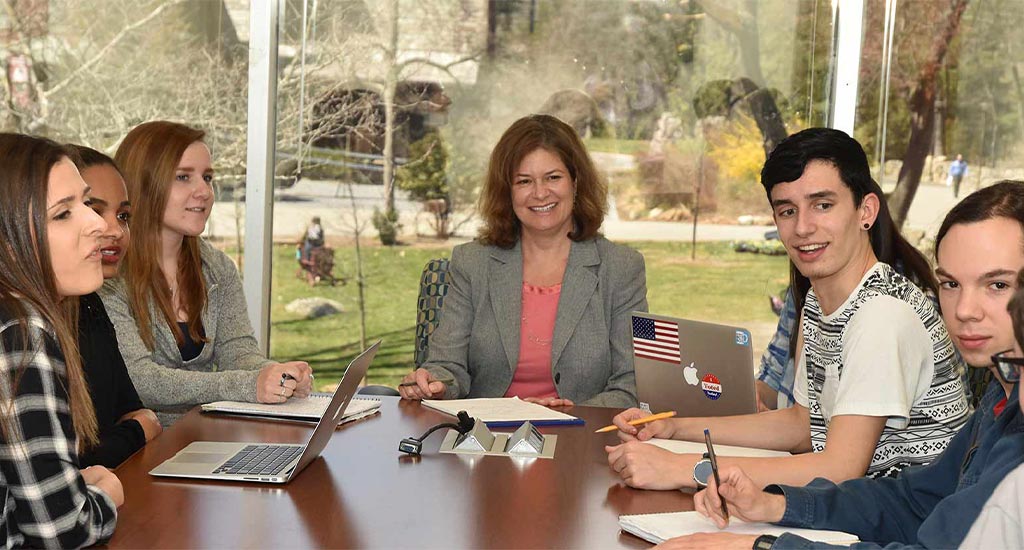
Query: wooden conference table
point(364, 493)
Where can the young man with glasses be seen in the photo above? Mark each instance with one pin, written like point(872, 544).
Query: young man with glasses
point(999, 525)
point(879, 385)
point(980, 251)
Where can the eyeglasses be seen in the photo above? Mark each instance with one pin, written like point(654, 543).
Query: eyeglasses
point(1008, 367)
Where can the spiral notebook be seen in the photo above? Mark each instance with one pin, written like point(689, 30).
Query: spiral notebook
point(658, 528)
point(309, 409)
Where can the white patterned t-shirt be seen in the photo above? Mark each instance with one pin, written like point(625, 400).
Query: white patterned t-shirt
point(883, 352)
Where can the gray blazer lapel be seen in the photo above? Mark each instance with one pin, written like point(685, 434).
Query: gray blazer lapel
point(505, 276)
point(578, 286)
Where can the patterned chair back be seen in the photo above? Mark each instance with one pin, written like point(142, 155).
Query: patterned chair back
point(433, 288)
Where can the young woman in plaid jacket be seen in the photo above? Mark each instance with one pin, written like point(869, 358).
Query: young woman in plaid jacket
point(50, 255)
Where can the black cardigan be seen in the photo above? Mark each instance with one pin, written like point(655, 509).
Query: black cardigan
point(112, 391)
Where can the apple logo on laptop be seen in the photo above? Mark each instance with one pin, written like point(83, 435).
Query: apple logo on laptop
point(690, 374)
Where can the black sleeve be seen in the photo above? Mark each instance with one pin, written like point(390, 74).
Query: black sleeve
point(112, 391)
point(126, 399)
point(116, 444)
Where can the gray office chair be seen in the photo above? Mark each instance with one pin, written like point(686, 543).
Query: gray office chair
point(377, 389)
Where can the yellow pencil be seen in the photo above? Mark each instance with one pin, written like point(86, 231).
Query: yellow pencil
point(638, 421)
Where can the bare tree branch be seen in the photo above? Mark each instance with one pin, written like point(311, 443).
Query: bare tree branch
point(125, 31)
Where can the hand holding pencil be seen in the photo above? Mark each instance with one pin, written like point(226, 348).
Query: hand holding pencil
point(421, 384)
point(627, 421)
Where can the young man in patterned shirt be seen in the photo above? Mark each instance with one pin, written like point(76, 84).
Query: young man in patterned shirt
point(979, 251)
point(878, 381)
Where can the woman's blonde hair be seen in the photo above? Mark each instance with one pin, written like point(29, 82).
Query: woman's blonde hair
point(28, 283)
point(148, 157)
point(501, 227)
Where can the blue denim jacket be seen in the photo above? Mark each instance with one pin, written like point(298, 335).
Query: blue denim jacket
point(929, 506)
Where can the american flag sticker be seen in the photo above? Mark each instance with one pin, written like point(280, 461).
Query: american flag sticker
point(657, 340)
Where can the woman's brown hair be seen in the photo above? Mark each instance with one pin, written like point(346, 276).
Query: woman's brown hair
point(27, 279)
point(1016, 309)
point(501, 227)
point(148, 157)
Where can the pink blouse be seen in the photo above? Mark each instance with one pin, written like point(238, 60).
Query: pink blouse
point(532, 377)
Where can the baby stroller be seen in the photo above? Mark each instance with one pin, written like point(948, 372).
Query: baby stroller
point(317, 266)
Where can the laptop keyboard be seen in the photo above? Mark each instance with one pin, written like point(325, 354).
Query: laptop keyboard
point(260, 460)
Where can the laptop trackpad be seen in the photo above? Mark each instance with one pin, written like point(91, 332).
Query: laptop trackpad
point(199, 458)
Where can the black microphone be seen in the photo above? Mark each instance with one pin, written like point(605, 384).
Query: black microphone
point(413, 445)
point(466, 422)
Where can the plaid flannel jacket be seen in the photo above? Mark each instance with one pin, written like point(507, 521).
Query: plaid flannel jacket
point(777, 367)
point(46, 503)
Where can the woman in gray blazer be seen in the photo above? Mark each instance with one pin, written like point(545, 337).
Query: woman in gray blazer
point(539, 306)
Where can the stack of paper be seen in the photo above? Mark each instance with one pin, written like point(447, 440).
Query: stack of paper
point(683, 447)
point(309, 409)
point(658, 528)
point(503, 411)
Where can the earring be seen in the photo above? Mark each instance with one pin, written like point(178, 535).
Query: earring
point(867, 226)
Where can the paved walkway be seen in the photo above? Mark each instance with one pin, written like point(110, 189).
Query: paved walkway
point(295, 206)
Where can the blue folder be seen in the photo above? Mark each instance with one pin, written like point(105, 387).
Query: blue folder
point(538, 423)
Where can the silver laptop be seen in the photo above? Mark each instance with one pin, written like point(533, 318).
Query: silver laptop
point(693, 368)
point(268, 462)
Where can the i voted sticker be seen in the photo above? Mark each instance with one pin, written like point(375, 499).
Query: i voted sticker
point(711, 386)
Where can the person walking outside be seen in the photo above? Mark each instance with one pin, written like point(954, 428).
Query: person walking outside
point(957, 171)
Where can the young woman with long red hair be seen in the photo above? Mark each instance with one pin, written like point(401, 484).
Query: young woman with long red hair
point(178, 309)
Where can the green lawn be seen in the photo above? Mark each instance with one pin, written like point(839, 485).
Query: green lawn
point(720, 286)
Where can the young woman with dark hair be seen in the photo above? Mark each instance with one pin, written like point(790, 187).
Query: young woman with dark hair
point(125, 426)
point(50, 256)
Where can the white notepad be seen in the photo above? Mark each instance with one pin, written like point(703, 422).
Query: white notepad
point(720, 450)
point(658, 528)
point(308, 409)
point(500, 410)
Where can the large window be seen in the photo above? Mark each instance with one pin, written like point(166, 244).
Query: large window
point(88, 72)
point(941, 79)
point(677, 102)
point(85, 75)
point(387, 110)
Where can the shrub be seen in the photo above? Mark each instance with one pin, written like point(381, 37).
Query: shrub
point(425, 175)
point(387, 226)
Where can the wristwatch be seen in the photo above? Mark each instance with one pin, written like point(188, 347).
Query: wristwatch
point(765, 542)
point(702, 471)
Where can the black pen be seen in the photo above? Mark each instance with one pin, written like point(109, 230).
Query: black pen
point(714, 471)
point(285, 376)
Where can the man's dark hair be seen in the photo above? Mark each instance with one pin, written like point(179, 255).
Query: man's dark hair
point(787, 163)
point(1004, 199)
